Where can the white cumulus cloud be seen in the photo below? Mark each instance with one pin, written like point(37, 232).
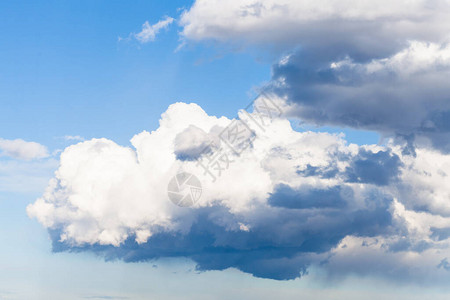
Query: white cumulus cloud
point(290, 200)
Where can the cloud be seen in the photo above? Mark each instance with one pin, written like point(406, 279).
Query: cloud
point(193, 142)
point(73, 138)
point(444, 264)
point(361, 29)
point(289, 201)
point(20, 149)
point(351, 64)
point(27, 167)
point(149, 32)
point(286, 201)
point(404, 95)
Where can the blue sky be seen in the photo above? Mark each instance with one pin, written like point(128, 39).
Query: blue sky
point(65, 73)
point(362, 128)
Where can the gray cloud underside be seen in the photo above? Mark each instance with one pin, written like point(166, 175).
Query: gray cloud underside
point(298, 228)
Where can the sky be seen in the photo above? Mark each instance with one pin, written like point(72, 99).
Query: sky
point(336, 188)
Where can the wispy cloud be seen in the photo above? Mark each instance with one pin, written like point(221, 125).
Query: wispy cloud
point(73, 138)
point(20, 149)
point(150, 31)
point(26, 177)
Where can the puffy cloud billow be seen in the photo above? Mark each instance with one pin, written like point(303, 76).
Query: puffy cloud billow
point(290, 201)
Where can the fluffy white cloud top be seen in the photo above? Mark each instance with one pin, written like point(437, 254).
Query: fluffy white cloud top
point(290, 200)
